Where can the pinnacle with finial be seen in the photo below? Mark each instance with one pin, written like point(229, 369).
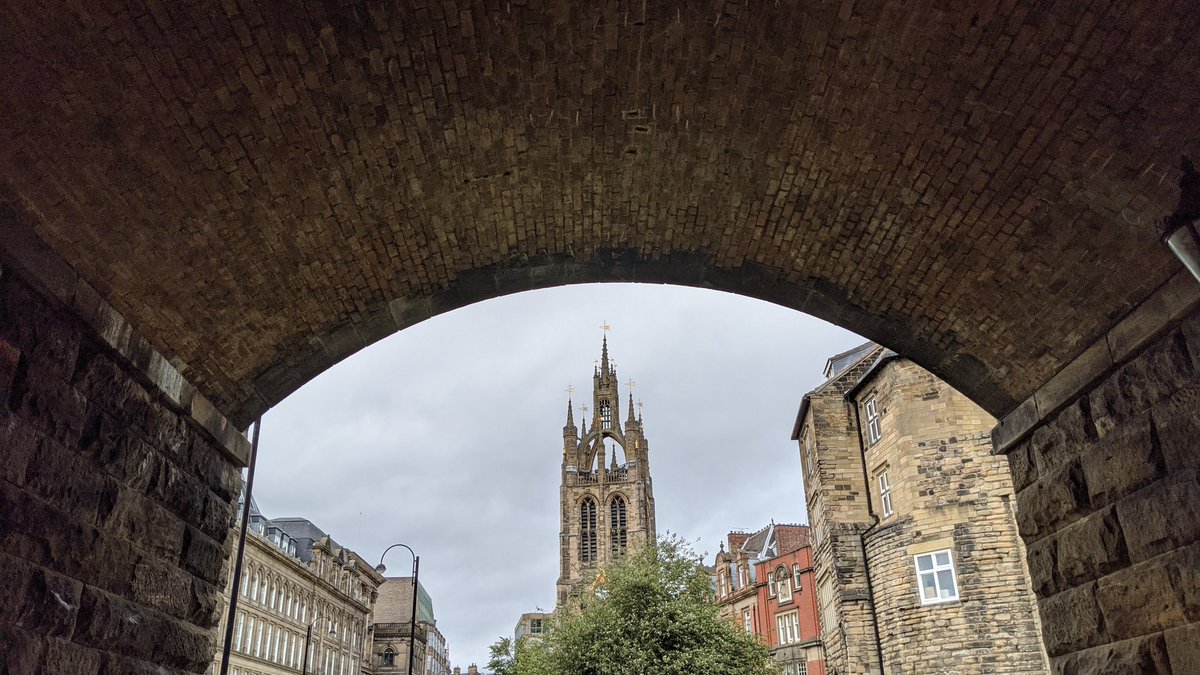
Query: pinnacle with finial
point(604, 367)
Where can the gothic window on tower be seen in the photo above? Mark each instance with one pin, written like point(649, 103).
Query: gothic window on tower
point(605, 415)
point(587, 531)
point(619, 534)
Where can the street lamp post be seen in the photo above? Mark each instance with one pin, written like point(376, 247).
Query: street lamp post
point(308, 639)
point(412, 626)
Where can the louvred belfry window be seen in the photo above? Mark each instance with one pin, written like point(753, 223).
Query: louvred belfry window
point(619, 533)
point(605, 415)
point(587, 531)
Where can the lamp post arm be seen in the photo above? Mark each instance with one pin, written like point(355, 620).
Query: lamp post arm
point(385, 552)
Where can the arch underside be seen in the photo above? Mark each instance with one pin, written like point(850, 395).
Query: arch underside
point(263, 192)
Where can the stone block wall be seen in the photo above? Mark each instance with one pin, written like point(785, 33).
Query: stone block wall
point(1109, 507)
point(948, 492)
point(837, 506)
point(115, 506)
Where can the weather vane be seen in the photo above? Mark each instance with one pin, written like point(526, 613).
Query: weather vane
point(605, 327)
point(570, 390)
point(639, 407)
point(632, 383)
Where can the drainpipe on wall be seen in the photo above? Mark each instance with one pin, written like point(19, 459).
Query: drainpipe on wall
point(862, 537)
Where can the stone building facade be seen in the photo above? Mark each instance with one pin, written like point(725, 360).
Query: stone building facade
point(393, 626)
point(295, 576)
point(437, 652)
point(606, 505)
point(764, 585)
point(920, 568)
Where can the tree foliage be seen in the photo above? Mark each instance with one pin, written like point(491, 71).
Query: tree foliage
point(502, 657)
point(651, 612)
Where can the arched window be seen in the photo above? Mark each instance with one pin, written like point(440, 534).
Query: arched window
point(783, 581)
point(389, 657)
point(605, 415)
point(618, 533)
point(587, 531)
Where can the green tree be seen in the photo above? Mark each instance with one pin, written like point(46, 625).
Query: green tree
point(651, 612)
point(502, 657)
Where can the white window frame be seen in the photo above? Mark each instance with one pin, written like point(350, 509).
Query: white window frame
point(934, 572)
point(787, 627)
point(796, 576)
point(874, 428)
point(747, 621)
point(885, 493)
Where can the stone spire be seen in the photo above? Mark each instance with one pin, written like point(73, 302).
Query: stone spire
point(630, 420)
point(604, 355)
point(570, 433)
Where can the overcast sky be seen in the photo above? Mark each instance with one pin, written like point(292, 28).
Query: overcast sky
point(448, 435)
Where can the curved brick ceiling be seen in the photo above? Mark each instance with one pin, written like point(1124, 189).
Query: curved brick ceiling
point(262, 188)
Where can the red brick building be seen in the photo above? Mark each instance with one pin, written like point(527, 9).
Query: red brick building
point(764, 584)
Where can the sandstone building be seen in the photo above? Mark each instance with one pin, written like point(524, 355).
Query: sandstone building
point(764, 584)
point(919, 565)
point(392, 628)
point(606, 503)
point(295, 576)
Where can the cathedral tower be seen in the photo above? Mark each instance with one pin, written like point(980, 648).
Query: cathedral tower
point(606, 496)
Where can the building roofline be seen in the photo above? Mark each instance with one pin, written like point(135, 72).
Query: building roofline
point(867, 348)
point(848, 352)
point(884, 358)
point(804, 403)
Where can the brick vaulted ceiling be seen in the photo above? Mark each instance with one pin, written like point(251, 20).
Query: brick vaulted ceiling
point(264, 187)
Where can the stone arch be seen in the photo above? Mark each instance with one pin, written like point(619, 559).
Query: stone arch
point(987, 217)
point(919, 233)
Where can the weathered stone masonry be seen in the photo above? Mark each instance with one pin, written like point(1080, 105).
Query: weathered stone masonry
point(1109, 507)
point(115, 503)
